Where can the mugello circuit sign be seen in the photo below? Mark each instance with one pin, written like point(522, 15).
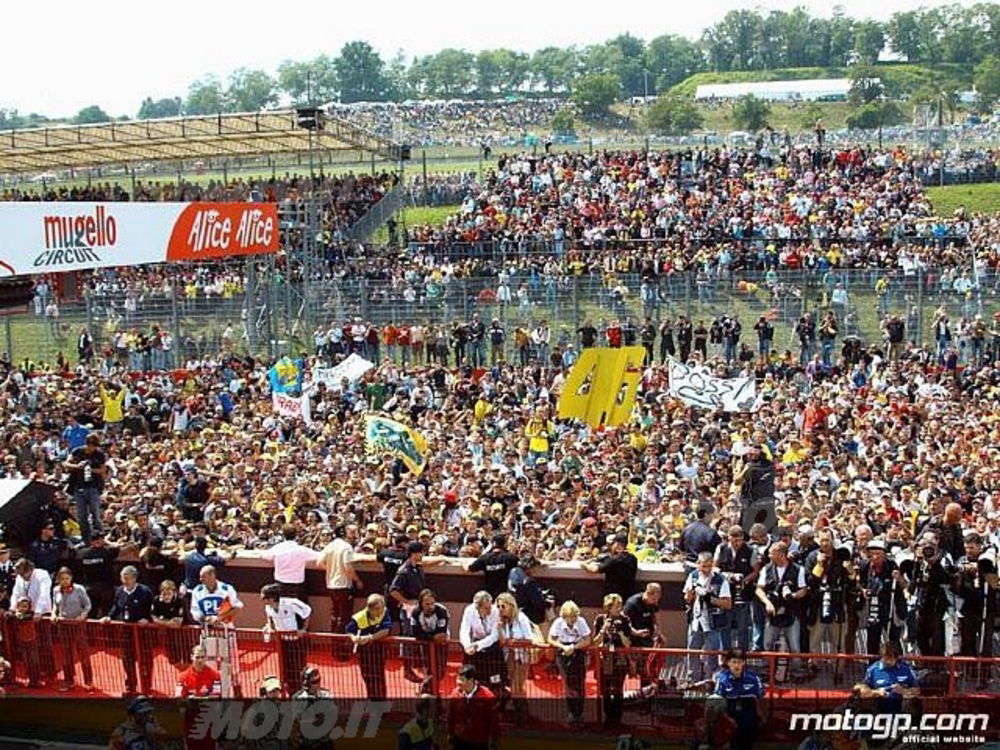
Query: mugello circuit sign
point(47, 237)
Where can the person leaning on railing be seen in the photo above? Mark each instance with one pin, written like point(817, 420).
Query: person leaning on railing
point(367, 628)
point(571, 635)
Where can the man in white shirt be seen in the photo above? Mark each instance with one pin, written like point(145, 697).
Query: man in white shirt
point(290, 560)
point(707, 594)
point(288, 618)
point(33, 583)
point(479, 636)
point(337, 559)
point(212, 601)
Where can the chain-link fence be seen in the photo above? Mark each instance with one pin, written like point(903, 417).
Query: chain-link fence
point(268, 312)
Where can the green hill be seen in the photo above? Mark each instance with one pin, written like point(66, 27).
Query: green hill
point(903, 77)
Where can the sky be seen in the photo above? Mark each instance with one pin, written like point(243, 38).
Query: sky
point(63, 55)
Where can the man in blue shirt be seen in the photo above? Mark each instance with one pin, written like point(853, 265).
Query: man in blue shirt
point(75, 434)
point(890, 679)
point(743, 690)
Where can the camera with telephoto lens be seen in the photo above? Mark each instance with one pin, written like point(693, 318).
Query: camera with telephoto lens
point(735, 579)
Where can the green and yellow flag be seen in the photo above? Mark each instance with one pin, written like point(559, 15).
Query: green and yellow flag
point(384, 435)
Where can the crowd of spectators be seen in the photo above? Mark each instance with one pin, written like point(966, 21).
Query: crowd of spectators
point(465, 123)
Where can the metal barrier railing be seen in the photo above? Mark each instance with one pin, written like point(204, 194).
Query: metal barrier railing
point(119, 657)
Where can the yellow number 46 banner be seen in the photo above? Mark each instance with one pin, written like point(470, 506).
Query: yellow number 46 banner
point(602, 385)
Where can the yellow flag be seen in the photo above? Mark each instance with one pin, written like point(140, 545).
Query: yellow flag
point(601, 387)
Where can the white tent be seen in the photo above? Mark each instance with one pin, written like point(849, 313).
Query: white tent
point(809, 89)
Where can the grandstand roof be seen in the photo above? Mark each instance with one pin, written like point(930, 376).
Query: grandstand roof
point(806, 89)
point(179, 138)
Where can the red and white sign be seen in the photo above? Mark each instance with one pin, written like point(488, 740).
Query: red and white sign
point(49, 237)
point(288, 406)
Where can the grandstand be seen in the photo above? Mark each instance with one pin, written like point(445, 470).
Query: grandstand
point(180, 139)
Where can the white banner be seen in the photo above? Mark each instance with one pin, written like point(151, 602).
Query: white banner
point(46, 237)
point(695, 385)
point(353, 368)
point(288, 406)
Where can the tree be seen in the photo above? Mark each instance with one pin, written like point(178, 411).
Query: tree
point(10, 119)
point(674, 115)
point(205, 97)
point(670, 59)
point(732, 42)
point(869, 41)
point(988, 83)
point(841, 37)
point(308, 82)
point(903, 31)
point(251, 90)
point(553, 68)
point(942, 93)
point(876, 115)
point(361, 73)
point(449, 74)
point(564, 122)
point(161, 108)
point(866, 85)
point(751, 113)
point(488, 72)
point(90, 115)
point(595, 92)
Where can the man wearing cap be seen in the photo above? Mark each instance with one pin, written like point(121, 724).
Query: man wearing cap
point(882, 588)
point(620, 569)
point(976, 586)
point(96, 561)
point(140, 731)
point(496, 565)
point(405, 591)
point(47, 550)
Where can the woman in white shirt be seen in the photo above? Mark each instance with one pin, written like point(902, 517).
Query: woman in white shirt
point(514, 632)
point(570, 634)
point(479, 635)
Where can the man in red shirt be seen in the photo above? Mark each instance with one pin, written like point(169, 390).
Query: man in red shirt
point(472, 714)
point(197, 681)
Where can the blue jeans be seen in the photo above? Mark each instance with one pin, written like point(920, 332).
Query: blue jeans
point(477, 353)
point(88, 511)
point(827, 351)
point(740, 632)
point(793, 643)
point(710, 640)
point(759, 617)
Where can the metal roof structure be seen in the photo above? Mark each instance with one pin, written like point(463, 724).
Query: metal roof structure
point(183, 138)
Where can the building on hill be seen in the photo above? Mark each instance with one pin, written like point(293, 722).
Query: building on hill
point(810, 89)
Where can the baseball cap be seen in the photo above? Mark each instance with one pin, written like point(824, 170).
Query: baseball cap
point(270, 683)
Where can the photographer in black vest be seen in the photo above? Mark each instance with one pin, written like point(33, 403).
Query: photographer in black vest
point(826, 612)
point(740, 565)
point(781, 588)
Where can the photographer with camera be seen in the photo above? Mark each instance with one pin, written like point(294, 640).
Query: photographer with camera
point(933, 572)
point(740, 564)
point(883, 588)
point(642, 611)
point(781, 587)
point(976, 584)
point(613, 631)
point(708, 598)
point(825, 607)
